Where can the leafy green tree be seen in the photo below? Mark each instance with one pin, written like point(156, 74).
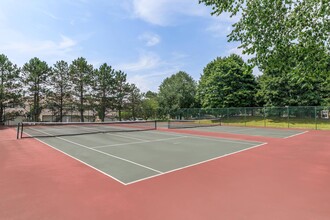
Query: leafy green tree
point(281, 89)
point(9, 84)
point(35, 75)
point(60, 87)
point(177, 91)
point(81, 75)
point(134, 100)
point(149, 105)
point(151, 95)
point(267, 27)
point(227, 82)
point(103, 86)
point(289, 40)
point(120, 92)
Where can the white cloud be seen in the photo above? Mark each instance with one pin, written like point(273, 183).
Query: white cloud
point(66, 42)
point(49, 14)
point(150, 39)
point(221, 26)
point(150, 69)
point(152, 80)
point(41, 47)
point(146, 61)
point(50, 50)
point(166, 12)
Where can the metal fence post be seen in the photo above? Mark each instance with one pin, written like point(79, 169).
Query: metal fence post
point(264, 116)
point(315, 115)
point(245, 116)
point(288, 112)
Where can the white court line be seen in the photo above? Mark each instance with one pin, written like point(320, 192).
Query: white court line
point(231, 131)
point(195, 164)
point(225, 140)
point(108, 175)
point(125, 136)
point(101, 152)
point(296, 134)
point(192, 136)
point(230, 140)
point(140, 142)
point(159, 172)
point(112, 134)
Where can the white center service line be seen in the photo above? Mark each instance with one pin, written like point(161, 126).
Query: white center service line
point(140, 142)
point(101, 152)
point(111, 133)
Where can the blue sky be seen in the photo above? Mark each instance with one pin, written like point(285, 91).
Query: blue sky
point(147, 39)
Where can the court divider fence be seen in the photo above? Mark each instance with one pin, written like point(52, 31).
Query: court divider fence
point(305, 117)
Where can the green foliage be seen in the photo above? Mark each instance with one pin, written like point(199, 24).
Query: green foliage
point(227, 82)
point(60, 94)
point(103, 86)
point(267, 27)
point(80, 74)
point(134, 100)
point(177, 91)
point(290, 42)
point(120, 92)
point(151, 95)
point(149, 105)
point(35, 75)
point(9, 84)
point(298, 85)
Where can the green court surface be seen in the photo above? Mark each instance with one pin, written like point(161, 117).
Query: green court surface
point(129, 157)
point(251, 131)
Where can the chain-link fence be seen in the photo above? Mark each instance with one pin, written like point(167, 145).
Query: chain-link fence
point(12, 115)
point(308, 117)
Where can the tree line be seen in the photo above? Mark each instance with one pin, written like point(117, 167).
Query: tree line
point(225, 82)
point(40, 86)
point(288, 40)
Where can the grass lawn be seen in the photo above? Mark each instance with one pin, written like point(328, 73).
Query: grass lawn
point(304, 123)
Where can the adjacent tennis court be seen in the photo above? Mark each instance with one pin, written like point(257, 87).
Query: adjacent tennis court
point(142, 170)
point(127, 156)
point(215, 126)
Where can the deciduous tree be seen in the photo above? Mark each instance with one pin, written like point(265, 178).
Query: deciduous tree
point(227, 82)
point(177, 91)
point(9, 84)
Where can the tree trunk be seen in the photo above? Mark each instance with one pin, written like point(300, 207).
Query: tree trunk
point(61, 105)
point(119, 114)
point(1, 114)
point(103, 107)
point(81, 103)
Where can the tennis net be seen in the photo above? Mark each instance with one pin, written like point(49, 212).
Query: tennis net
point(173, 124)
point(56, 129)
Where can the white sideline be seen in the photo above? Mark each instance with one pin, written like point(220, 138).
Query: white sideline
point(101, 152)
point(296, 134)
point(146, 167)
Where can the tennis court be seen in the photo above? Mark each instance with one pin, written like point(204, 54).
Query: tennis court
point(250, 131)
point(145, 171)
point(128, 157)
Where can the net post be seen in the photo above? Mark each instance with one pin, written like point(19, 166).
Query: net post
point(21, 130)
point(18, 128)
point(168, 123)
point(155, 124)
